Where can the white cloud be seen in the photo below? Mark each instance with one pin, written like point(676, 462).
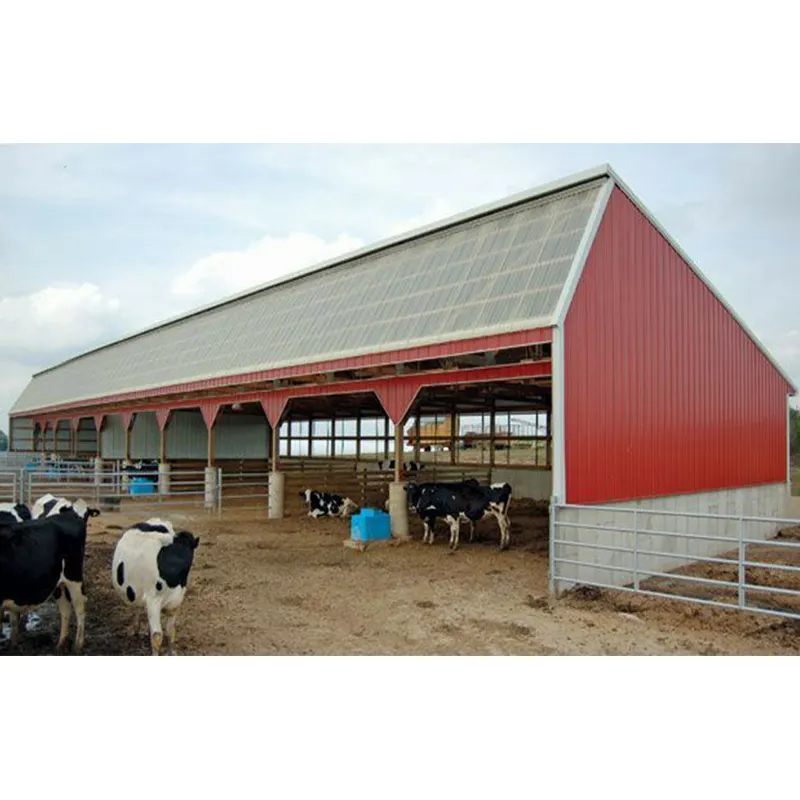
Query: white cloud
point(224, 273)
point(55, 318)
point(437, 211)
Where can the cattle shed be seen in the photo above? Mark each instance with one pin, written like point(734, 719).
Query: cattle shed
point(569, 302)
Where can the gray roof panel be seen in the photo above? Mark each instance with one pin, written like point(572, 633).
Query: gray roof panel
point(504, 271)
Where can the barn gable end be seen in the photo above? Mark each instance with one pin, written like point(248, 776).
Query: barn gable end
point(665, 393)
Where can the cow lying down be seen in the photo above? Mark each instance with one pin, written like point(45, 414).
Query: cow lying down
point(324, 504)
point(467, 501)
point(150, 572)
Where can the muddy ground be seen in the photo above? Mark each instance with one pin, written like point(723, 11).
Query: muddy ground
point(290, 587)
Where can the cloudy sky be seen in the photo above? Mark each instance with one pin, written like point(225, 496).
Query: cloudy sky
point(97, 241)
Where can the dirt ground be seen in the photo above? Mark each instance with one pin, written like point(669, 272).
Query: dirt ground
point(291, 587)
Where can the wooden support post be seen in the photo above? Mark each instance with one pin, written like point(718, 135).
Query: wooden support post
point(333, 436)
point(211, 443)
point(275, 440)
point(74, 431)
point(492, 432)
point(453, 422)
point(98, 426)
point(358, 436)
point(127, 422)
point(417, 431)
point(210, 412)
point(398, 452)
point(289, 438)
point(310, 437)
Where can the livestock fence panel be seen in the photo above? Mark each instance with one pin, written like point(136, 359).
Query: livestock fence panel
point(117, 491)
point(10, 486)
point(366, 485)
point(749, 563)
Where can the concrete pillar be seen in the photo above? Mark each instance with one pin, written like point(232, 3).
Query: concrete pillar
point(211, 486)
point(98, 471)
point(164, 472)
point(276, 495)
point(398, 511)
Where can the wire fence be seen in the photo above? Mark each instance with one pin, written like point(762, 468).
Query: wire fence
point(749, 563)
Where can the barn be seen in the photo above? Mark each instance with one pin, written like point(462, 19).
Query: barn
point(569, 301)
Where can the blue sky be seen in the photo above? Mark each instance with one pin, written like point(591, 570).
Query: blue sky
point(97, 241)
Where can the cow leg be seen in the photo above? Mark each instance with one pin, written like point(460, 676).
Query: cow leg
point(13, 619)
point(154, 619)
point(78, 601)
point(135, 628)
point(455, 527)
point(64, 610)
point(505, 535)
point(170, 620)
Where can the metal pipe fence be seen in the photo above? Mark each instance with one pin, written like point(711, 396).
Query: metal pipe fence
point(243, 490)
point(113, 489)
point(730, 561)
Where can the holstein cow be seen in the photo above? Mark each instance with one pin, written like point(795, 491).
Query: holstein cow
point(325, 504)
point(455, 503)
point(41, 558)
point(150, 571)
point(49, 505)
point(408, 466)
point(14, 512)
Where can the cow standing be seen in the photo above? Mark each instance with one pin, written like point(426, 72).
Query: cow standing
point(49, 505)
point(409, 467)
point(461, 502)
point(14, 512)
point(40, 558)
point(150, 571)
point(325, 504)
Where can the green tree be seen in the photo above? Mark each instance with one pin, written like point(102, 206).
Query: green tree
point(794, 434)
point(3, 442)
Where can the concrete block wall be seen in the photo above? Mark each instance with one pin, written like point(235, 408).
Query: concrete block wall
point(531, 484)
point(616, 568)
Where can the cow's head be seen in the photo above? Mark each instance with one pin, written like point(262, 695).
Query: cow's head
point(82, 510)
point(412, 493)
point(306, 495)
point(188, 539)
point(348, 507)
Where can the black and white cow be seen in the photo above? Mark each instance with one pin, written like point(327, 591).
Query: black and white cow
point(325, 504)
point(463, 502)
point(14, 512)
point(408, 466)
point(49, 505)
point(150, 572)
point(40, 558)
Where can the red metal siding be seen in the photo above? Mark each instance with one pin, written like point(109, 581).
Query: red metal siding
point(665, 393)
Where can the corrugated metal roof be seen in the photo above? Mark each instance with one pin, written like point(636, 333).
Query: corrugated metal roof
point(499, 268)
